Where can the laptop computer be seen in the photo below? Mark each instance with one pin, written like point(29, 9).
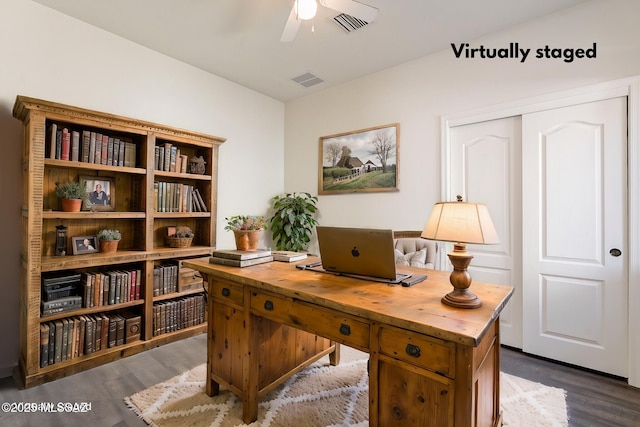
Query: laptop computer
point(364, 253)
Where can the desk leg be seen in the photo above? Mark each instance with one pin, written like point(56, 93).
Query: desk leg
point(212, 388)
point(250, 365)
point(373, 368)
point(334, 358)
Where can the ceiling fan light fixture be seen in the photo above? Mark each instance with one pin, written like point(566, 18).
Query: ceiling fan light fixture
point(306, 9)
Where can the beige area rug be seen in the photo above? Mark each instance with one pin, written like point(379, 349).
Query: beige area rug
point(320, 396)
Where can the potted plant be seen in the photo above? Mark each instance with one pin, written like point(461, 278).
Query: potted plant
point(246, 230)
point(182, 238)
point(109, 240)
point(293, 220)
point(71, 195)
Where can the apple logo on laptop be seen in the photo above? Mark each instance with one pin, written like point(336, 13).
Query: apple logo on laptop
point(355, 252)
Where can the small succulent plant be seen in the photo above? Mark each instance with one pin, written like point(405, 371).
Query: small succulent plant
point(107, 234)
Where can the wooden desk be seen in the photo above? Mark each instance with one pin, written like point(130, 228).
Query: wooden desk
point(430, 365)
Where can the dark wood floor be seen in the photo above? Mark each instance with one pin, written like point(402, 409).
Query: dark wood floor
point(592, 399)
point(105, 387)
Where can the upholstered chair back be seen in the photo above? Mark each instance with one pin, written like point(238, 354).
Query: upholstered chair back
point(413, 250)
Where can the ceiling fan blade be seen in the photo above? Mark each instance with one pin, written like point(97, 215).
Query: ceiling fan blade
point(291, 27)
point(356, 9)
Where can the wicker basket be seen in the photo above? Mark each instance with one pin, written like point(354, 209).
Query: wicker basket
point(179, 242)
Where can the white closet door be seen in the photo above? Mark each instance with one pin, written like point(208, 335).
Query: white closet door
point(485, 167)
point(575, 235)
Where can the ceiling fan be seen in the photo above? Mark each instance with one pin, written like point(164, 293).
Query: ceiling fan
point(306, 9)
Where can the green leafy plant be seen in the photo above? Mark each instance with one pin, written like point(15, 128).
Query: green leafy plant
point(183, 231)
point(293, 220)
point(107, 234)
point(245, 222)
point(71, 190)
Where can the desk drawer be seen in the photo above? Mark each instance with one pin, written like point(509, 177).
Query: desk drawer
point(426, 352)
point(228, 293)
point(311, 318)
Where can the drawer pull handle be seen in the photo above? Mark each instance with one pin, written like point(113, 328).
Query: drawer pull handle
point(226, 292)
point(268, 305)
point(345, 329)
point(413, 350)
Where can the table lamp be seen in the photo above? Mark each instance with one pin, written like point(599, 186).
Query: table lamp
point(461, 223)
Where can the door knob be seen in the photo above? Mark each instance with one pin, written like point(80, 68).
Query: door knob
point(615, 252)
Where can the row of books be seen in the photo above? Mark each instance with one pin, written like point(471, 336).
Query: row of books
point(177, 197)
point(73, 337)
point(165, 279)
point(168, 158)
point(112, 287)
point(90, 147)
point(174, 315)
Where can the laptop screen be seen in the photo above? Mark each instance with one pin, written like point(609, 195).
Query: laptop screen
point(357, 251)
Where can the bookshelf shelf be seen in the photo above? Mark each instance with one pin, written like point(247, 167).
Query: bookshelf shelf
point(168, 253)
point(92, 310)
point(59, 263)
point(177, 294)
point(93, 359)
point(182, 214)
point(188, 176)
point(93, 166)
point(92, 215)
point(65, 143)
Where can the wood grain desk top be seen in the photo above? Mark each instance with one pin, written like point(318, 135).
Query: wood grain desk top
point(417, 308)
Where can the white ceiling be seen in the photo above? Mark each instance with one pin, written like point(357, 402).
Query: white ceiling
point(240, 39)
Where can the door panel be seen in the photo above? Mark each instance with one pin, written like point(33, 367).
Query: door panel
point(574, 212)
point(485, 167)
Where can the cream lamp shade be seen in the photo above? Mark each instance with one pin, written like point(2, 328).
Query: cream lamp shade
point(461, 223)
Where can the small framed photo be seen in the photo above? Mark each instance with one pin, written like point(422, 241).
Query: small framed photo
point(171, 230)
point(100, 193)
point(84, 245)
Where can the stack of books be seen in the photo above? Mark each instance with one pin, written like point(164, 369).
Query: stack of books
point(237, 258)
point(60, 294)
point(288, 256)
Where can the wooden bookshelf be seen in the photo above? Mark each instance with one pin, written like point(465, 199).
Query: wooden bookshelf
point(136, 213)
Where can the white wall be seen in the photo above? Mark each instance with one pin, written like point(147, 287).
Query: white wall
point(51, 56)
point(418, 93)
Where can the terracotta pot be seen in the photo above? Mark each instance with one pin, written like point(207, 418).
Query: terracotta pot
point(109, 246)
point(71, 205)
point(246, 240)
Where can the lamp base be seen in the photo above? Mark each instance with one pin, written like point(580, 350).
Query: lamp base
point(461, 299)
point(460, 278)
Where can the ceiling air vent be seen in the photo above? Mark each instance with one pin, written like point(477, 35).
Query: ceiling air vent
point(349, 23)
point(307, 79)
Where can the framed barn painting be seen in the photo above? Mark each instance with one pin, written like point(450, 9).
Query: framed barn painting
point(360, 161)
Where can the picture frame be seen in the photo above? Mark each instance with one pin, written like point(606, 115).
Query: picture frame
point(84, 245)
point(100, 193)
point(171, 230)
point(360, 161)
